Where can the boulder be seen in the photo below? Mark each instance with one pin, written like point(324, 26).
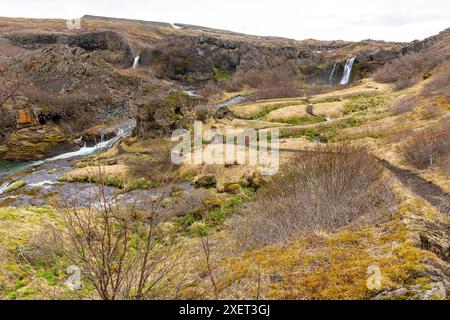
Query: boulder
point(36, 143)
point(206, 181)
point(232, 188)
point(162, 116)
point(15, 186)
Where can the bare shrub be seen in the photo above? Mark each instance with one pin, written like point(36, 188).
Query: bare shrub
point(212, 91)
point(430, 112)
point(440, 84)
point(329, 188)
point(10, 83)
point(251, 78)
point(43, 245)
point(426, 147)
point(404, 105)
point(272, 83)
point(120, 250)
point(410, 69)
point(157, 166)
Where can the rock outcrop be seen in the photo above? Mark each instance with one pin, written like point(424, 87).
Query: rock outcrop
point(37, 143)
point(116, 49)
point(160, 117)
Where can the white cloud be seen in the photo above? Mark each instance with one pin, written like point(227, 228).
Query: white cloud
point(399, 20)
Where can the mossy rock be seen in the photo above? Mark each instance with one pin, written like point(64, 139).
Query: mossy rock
point(141, 183)
point(3, 149)
point(211, 201)
point(232, 188)
point(206, 181)
point(15, 186)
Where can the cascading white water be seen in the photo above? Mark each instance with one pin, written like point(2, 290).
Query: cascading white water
point(4, 187)
point(136, 62)
point(347, 71)
point(85, 151)
point(332, 72)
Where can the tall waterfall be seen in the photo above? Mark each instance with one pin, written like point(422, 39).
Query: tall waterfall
point(347, 71)
point(332, 72)
point(136, 62)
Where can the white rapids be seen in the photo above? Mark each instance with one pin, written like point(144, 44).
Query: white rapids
point(85, 151)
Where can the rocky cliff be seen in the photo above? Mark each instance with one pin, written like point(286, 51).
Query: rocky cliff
point(75, 79)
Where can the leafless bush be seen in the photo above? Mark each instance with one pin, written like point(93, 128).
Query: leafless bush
point(427, 146)
point(44, 244)
point(120, 250)
point(273, 83)
point(87, 95)
point(10, 83)
point(410, 69)
point(251, 78)
point(404, 105)
point(329, 188)
point(211, 91)
point(430, 112)
point(156, 167)
point(440, 84)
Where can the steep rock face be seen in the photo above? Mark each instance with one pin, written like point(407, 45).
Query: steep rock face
point(69, 88)
point(7, 123)
point(417, 46)
point(198, 57)
point(162, 116)
point(116, 48)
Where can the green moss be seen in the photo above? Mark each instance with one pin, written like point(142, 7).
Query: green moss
point(362, 103)
point(233, 202)
point(112, 182)
point(52, 275)
point(220, 74)
point(303, 120)
point(327, 100)
point(141, 183)
point(326, 133)
point(15, 186)
point(190, 176)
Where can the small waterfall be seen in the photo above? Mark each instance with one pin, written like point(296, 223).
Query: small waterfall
point(136, 62)
point(332, 72)
point(347, 71)
point(4, 186)
point(84, 151)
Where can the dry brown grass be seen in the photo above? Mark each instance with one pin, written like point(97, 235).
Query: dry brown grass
point(404, 105)
point(333, 187)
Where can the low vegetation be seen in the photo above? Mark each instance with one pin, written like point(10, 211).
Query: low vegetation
point(428, 146)
point(412, 68)
point(333, 187)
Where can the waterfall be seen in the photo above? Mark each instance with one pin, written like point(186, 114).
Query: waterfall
point(347, 71)
point(84, 151)
point(332, 72)
point(136, 62)
point(4, 187)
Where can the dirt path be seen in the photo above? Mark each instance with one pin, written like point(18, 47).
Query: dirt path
point(421, 187)
point(427, 190)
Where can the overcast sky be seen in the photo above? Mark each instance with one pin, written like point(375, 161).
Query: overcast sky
point(397, 20)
